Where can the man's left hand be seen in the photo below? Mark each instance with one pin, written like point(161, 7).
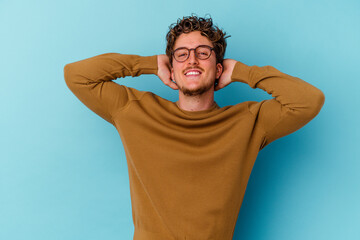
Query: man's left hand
point(225, 78)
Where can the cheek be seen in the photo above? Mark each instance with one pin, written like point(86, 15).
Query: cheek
point(213, 69)
point(176, 71)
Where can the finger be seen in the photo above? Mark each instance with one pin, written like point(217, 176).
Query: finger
point(218, 86)
point(170, 83)
point(173, 85)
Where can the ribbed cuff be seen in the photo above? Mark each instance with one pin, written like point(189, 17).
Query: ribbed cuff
point(148, 64)
point(241, 73)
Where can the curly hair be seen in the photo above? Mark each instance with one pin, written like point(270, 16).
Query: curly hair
point(205, 26)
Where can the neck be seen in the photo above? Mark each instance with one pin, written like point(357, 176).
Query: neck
point(196, 103)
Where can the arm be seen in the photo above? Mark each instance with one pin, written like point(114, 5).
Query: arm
point(295, 101)
point(91, 80)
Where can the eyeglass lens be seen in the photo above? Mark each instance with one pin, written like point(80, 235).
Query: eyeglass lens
point(201, 52)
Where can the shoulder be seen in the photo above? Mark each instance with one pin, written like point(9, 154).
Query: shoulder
point(144, 96)
point(247, 107)
point(255, 106)
point(135, 94)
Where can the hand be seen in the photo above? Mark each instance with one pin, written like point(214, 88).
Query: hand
point(225, 77)
point(164, 71)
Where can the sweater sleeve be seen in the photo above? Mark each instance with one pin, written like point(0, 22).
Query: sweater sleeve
point(91, 80)
point(295, 102)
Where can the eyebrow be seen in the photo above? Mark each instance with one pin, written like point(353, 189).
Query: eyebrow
point(201, 45)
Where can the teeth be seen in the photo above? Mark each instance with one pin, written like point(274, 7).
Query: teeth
point(192, 73)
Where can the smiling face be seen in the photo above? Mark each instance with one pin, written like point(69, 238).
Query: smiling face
point(194, 76)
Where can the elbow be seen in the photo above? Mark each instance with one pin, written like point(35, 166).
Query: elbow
point(67, 72)
point(320, 98)
point(315, 103)
point(69, 76)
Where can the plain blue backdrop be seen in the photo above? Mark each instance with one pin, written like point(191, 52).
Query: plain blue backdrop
point(63, 172)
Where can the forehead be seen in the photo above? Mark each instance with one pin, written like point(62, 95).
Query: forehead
point(192, 40)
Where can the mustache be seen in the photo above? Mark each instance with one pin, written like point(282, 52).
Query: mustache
point(193, 68)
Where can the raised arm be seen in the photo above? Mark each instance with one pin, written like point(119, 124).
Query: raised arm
point(295, 101)
point(91, 80)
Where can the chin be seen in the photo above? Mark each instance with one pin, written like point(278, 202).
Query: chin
point(195, 91)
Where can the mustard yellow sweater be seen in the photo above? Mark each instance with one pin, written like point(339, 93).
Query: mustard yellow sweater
point(189, 170)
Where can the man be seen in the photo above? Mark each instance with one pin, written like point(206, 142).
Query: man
point(189, 162)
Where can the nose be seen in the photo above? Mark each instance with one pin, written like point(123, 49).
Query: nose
point(192, 58)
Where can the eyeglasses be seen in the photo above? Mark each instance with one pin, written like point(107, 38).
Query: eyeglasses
point(202, 52)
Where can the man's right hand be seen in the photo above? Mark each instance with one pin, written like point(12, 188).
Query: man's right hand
point(164, 71)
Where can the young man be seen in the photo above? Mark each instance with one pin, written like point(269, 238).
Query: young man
point(189, 162)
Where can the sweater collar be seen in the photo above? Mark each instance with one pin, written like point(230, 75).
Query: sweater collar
point(197, 113)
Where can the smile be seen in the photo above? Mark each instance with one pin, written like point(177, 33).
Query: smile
point(192, 73)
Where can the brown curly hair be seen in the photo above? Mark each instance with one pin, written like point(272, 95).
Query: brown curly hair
point(205, 26)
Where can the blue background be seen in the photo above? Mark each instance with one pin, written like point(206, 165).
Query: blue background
point(63, 172)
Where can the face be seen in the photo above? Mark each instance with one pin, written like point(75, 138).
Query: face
point(195, 76)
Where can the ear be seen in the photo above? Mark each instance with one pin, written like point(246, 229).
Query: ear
point(219, 70)
point(172, 73)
